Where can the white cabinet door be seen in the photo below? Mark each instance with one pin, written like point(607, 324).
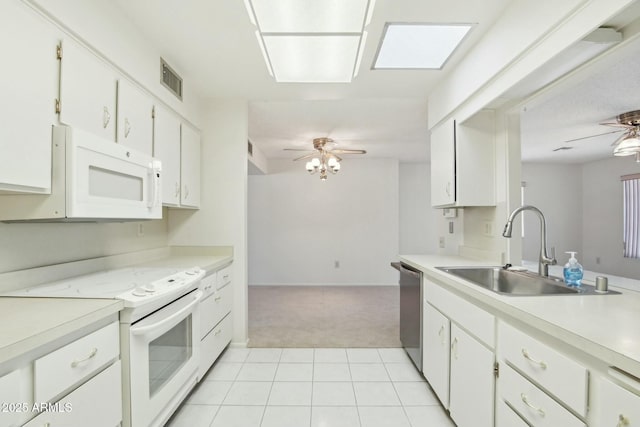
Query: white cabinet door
point(443, 188)
point(190, 167)
point(435, 354)
point(96, 403)
point(87, 91)
point(135, 118)
point(614, 406)
point(472, 385)
point(166, 147)
point(29, 86)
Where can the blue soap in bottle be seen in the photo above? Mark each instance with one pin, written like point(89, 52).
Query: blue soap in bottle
point(573, 271)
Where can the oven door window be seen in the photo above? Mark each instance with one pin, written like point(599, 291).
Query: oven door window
point(168, 354)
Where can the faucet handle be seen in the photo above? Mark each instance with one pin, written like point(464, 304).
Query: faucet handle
point(553, 256)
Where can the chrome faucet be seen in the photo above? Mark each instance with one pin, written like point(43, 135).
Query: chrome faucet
point(544, 261)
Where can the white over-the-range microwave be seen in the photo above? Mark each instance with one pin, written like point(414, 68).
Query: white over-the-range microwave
point(92, 180)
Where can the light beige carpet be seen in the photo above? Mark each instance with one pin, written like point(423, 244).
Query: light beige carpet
point(324, 316)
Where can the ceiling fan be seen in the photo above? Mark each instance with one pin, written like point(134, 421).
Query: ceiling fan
point(323, 158)
point(628, 143)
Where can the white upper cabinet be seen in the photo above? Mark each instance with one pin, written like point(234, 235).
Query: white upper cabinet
point(135, 118)
point(166, 147)
point(87, 91)
point(463, 162)
point(29, 86)
point(443, 164)
point(190, 167)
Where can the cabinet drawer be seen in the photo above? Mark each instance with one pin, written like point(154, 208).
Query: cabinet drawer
point(224, 276)
point(97, 403)
point(505, 417)
point(560, 375)
point(212, 345)
point(472, 318)
point(614, 406)
point(69, 365)
point(534, 405)
point(214, 308)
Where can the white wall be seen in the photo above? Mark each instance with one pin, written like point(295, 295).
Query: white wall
point(602, 217)
point(34, 245)
point(555, 189)
point(299, 226)
point(418, 220)
point(222, 217)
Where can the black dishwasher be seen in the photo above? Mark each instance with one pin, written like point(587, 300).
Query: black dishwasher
point(410, 311)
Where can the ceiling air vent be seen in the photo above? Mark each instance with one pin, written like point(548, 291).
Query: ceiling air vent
point(170, 79)
point(250, 147)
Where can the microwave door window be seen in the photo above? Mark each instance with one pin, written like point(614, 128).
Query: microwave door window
point(115, 185)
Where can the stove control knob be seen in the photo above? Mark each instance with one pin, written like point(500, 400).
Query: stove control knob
point(140, 292)
point(150, 288)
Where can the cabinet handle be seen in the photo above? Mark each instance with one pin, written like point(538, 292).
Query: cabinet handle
point(454, 348)
point(106, 117)
point(177, 189)
point(622, 421)
point(127, 127)
point(217, 299)
point(448, 189)
point(186, 192)
point(441, 334)
point(540, 363)
point(92, 354)
point(218, 332)
point(525, 400)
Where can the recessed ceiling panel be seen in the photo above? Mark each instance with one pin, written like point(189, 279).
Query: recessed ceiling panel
point(310, 16)
point(419, 46)
point(312, 58)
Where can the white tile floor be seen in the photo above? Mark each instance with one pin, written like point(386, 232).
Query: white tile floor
point(305, 387)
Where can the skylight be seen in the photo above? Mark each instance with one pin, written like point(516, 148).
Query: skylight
point(419, 46)
point(311, 40)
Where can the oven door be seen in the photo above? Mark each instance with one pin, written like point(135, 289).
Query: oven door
point(164, 357)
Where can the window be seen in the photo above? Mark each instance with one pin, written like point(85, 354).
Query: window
point(631, 215)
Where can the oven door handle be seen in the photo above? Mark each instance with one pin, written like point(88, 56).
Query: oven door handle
point(141, 330)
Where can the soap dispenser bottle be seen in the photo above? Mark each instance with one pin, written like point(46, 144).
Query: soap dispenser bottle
point(573, 271)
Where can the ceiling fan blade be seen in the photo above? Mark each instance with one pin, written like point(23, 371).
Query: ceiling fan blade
point(306, 156)
point(296, 149)
point(617, 125)
point(339, 151)
point(594, 136)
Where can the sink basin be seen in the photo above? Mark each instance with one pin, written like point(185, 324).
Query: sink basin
point(516, 283)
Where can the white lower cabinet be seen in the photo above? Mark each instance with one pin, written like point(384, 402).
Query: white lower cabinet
point(613, 405)
point(96, 403)
point(458, 356)
point(216, 320)
point(472, 383)
point(435, 354)
point(533, 404)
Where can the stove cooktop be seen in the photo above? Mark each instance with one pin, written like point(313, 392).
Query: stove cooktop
point(136, 286)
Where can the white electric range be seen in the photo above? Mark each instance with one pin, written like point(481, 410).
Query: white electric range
point(159, 333)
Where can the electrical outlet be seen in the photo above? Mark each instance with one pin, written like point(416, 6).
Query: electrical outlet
point(336, 264)
point(441, 243)
point(140, 230)
point(597, 260)
point(450, 227)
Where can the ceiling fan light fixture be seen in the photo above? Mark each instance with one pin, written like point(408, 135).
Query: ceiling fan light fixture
point(628, 146)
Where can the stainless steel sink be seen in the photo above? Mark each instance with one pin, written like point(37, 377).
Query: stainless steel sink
point(517, 283)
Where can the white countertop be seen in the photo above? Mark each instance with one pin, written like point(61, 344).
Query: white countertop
point(604, 326)
point(28, 323)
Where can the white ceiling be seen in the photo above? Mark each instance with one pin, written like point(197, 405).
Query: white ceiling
point(574, 108)
point(212, 44)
